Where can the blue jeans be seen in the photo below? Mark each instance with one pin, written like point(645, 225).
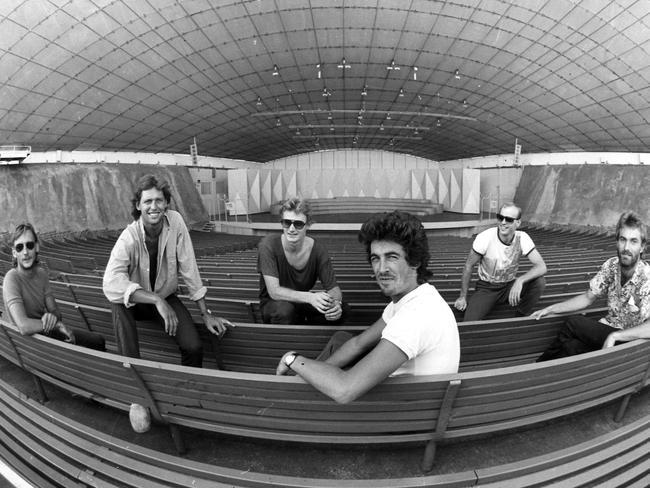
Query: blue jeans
point(126, 331)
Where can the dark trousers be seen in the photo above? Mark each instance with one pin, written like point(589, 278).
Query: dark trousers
point(83, 338)
point(578, 335)
point(339, 338)
point(126, 332)
point(288, 313)
point(487, 295)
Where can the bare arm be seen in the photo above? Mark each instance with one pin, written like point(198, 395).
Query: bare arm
point(321, 301)
point(573, 304)
point(26, 325)
point(357, 346)
point(344, 386)
point(216, 325)
point(472, 259)
point(538, 269)
point(625, 335)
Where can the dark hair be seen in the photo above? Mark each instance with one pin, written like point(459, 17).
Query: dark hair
point(631, 219)
point(147, 182)
point(20, 230)
point(297, 205)
point(403, 229)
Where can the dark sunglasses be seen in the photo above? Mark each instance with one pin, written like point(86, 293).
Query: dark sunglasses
point(298, 224)
point(30, 245)
point(510, 220)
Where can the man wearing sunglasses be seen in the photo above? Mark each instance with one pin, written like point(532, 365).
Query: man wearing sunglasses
point(498, 251)
point(290, 264)
point(28, 299)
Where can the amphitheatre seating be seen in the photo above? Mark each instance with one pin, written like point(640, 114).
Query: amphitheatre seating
point(256, 348)
point(369, 205)
point(400, 410)
point(74, 454)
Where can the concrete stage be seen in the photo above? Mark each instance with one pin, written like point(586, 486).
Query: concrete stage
point(446, 223)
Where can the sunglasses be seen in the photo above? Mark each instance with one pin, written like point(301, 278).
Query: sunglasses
point(298, 224)
point(510, 220)
point(30, 245)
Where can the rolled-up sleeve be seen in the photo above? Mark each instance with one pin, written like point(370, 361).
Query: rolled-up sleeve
point(117, 284)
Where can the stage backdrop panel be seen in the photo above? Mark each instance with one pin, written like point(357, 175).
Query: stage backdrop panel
point(258, 190)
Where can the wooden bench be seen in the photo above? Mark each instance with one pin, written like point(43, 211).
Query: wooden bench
point(47, 449)
point(400, 410)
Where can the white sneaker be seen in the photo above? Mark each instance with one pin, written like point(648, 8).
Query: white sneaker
point(140, 418)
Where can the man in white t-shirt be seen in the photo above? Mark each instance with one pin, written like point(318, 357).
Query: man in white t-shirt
point(417, 333)
point(498, 251)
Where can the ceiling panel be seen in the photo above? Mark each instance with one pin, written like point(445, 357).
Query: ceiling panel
point(557, 74)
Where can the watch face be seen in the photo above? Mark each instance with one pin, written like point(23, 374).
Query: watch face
point(288, 360)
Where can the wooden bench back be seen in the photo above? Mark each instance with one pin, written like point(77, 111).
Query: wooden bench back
point(403, 409)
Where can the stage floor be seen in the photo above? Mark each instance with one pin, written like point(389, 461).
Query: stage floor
point(346, 218)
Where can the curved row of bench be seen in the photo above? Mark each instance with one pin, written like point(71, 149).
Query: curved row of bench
point(400, 410)
point(370, 205)
point(49, 449)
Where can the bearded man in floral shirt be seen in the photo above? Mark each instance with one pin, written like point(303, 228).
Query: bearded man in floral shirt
point(625, 281)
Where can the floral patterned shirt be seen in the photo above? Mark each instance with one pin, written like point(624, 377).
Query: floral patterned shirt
point(629, 305)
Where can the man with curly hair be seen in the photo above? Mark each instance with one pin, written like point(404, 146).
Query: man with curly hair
point(417, 333)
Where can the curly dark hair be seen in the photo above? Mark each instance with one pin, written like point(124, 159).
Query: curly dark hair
point(404, 229)
point(20, 230)
point(147, 182)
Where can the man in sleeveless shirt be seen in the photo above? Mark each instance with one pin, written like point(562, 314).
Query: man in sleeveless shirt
point(290, 264)
point(498, 251)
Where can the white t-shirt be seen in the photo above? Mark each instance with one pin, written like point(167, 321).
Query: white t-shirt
point(423, 326)
point(500, 262)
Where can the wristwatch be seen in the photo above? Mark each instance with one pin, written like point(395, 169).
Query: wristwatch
point(290, 358)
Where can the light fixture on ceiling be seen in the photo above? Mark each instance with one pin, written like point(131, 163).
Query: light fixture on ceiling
point(317, 143)
point(457, 74)
point(259, 102)
point(392, 66)
point(326, 92)
point(381, 126)
point(277, 122)
point(465, 103)
point(416, 132)
point(388, 116)
point(415, 72)
point(355, 140)
point(391, 142)
point(365, 91)
point(401, 92)
point(297, 132)
point(344, 65)
point(438, 123)
point(329, 115)
point(332, 128)
point(276, 71)
point(318, 68)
